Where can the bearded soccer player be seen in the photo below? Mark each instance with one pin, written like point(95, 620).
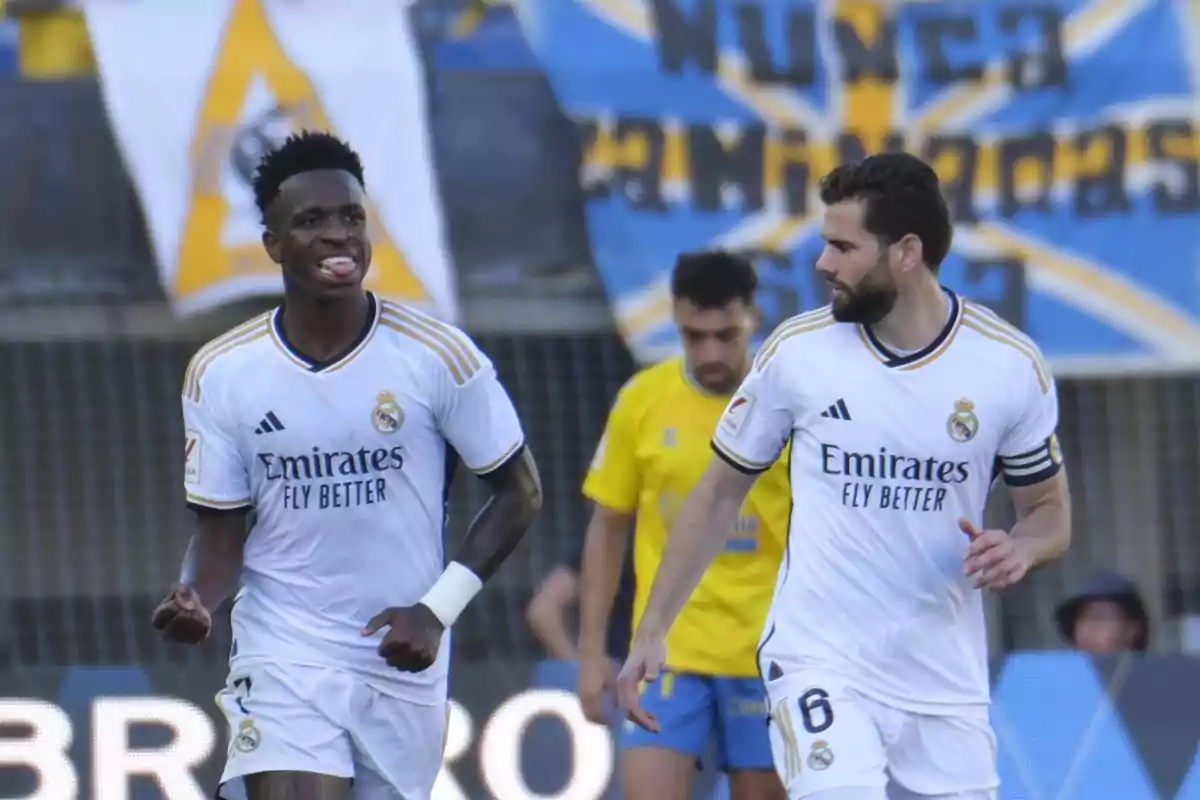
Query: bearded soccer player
point(654, 450)
point(338, 418)
point(902, 403)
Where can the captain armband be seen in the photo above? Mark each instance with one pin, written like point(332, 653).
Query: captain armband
point(1033, 466)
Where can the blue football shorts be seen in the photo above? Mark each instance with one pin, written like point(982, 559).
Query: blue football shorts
point(694, 710)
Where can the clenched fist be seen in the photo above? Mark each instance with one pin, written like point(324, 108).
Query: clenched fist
point(181, 617)
point(413, 639)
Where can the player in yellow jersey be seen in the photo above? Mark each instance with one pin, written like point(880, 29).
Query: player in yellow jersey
point(654, 450)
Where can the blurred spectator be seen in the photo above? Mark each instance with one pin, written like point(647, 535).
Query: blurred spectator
point(547, 611)
point(547, 618)
point(53, 39)
point(1107, 616)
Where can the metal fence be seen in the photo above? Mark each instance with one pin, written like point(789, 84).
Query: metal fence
point(91, 516)
point(92, 521)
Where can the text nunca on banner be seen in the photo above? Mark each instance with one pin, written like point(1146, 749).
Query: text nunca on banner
point(1066, 147)
point(196, 93)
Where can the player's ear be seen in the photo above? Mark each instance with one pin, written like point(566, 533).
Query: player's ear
point(911, 252)
point(271, 245)
point(755, 318)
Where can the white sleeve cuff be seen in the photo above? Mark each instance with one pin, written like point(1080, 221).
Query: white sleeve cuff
point(451, 593)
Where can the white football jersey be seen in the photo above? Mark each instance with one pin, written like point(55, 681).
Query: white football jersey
point(888, 452)
point(347, 465)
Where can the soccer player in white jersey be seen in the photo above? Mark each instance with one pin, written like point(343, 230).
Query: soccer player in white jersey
point(901, 402)
point(337, 418)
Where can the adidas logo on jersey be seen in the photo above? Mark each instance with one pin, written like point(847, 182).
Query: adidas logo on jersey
point(837, 411)
point(269, 424)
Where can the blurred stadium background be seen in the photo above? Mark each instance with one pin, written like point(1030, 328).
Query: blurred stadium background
point(92, 522)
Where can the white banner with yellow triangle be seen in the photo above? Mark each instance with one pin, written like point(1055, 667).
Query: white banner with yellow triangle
point(197, 91)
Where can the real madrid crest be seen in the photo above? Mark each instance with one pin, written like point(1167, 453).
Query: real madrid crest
point(820, 757)
point(963, 424)
point(248, 737)
point(387, 416)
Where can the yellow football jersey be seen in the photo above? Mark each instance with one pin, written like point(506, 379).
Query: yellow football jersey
point(655, 448)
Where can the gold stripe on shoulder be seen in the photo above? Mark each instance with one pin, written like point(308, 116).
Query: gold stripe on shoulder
point(984, 328)
point(793, 322)
point(1002, 326)
point(210, 351)
point(454, 338)
point(452, 363)
point(800, 325)
point(246, 332)
point(451, 338)
point(799, 319)
point(212, 344)
point(216, 354)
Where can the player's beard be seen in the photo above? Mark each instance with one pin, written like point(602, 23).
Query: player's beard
point(868, 302)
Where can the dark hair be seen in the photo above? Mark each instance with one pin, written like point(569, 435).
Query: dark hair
point(714, 278)
point(306, 151)
point(902, 196)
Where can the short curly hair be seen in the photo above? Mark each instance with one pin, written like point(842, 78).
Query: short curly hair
point(902, 196)
point(306, 151)
point(713, 279)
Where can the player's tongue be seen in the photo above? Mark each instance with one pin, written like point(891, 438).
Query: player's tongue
point(338, 266)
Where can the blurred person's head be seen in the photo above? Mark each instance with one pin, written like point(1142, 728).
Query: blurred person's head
point(1107, 616)
point(886, 226)
point(713, 298)
point(310, 193)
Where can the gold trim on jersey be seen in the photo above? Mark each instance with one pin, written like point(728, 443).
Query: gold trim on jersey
point(450, 345)
point(908, 362)
point(276, 321)
point(245, 333)
point(741, 462)
point(509, 453)
point(987, 323)
point(866, 340)
point(220, 505)
point(366, 340)
point(940, 350)
point(792, 763)
point(282, 347)
point(801, 323)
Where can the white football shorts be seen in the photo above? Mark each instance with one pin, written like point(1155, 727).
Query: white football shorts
point(830, 741)
point(285, 717)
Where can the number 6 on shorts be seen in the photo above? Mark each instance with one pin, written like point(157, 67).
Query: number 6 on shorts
point(816, 717)
point(815, 711)
point(812, 753)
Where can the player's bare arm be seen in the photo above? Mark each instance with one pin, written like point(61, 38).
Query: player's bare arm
point(500, 525)
point(700, 531)
point(1042, 534)
point(211, 567)
point(545, 613)
point(415, 632)
point(604, 546)
point(1043, 518)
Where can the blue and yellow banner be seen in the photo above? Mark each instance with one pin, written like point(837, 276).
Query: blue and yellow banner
point(1065, 132)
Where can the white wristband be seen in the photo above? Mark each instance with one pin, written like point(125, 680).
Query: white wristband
point(451, 592)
